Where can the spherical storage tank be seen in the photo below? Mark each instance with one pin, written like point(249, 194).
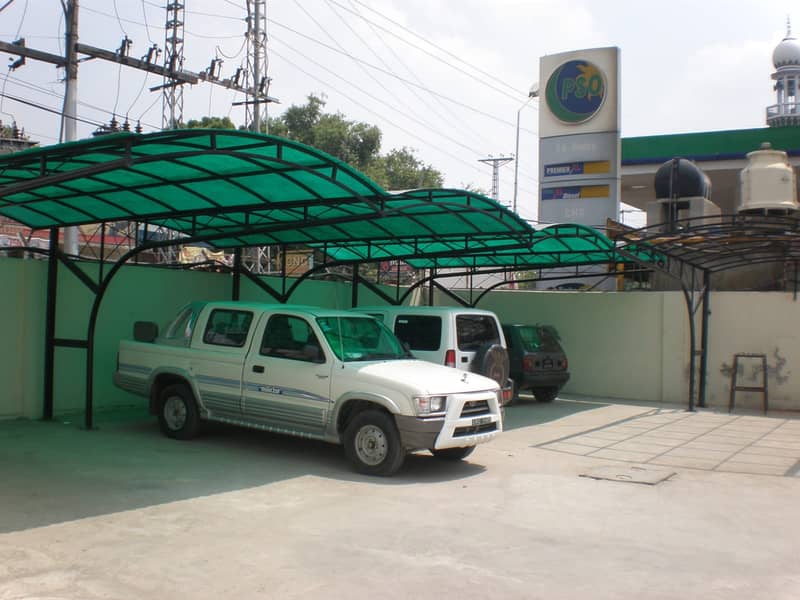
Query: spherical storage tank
point(681, 178)
point(768, 183)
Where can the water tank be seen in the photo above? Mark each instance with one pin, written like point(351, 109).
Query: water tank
point(681, 178)
point(767, 183)
point(682, 197)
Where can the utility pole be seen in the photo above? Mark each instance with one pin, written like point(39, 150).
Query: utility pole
point(257, 80)
point(496, 163)
point(172, 99)
point(70, 112)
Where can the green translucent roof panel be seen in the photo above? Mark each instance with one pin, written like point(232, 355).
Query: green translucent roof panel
point(235, 188)
point(160, 174)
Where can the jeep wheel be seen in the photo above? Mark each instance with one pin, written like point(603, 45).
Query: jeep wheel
point(453, 453)
point(545, 394)
point(491, 360)
point(177, 412)
point(372, 443)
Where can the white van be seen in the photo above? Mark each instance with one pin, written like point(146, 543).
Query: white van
point(469, 339)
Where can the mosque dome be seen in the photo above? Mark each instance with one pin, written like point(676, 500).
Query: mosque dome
point(787, 52)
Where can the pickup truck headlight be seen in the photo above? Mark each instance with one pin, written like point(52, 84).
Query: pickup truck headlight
point(427, 405)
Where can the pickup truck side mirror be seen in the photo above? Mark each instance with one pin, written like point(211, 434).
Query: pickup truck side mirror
point(145, 331)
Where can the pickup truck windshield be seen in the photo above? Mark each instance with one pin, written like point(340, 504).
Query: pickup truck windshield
point(360, 338)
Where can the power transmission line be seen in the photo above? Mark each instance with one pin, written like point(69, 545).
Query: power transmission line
point(387, 72)
point(513, 96)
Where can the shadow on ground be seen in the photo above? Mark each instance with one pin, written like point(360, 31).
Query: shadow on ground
point(55, 471)
point(526, 412)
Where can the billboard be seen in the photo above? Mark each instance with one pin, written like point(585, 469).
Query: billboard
point(581, 92)
point(579, 142)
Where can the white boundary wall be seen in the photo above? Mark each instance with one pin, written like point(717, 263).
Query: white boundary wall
point(631, 345)
point(635, 345)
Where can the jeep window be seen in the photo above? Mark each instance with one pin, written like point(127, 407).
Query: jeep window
point(474, 331)
point(539, 339)
point(287, 336)
point(179, 330)
point(360, 338)
point(227, 327)
point(420, 332)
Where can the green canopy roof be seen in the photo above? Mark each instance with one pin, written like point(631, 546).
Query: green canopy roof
point(234, 188)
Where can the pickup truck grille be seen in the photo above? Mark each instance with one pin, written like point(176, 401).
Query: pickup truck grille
point(485, 428)
point(475, 407)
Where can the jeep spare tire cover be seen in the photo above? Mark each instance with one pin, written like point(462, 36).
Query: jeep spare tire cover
point(492, 361)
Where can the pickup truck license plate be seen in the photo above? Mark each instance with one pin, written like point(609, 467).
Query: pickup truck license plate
point(481, 421)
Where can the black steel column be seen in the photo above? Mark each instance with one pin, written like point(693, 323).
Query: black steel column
point(354, 287)
point(692, 342)
point(283, 274)
point(237, 274)
point(50, 326)
point(102, 250)
point(701, 398)
point(430, 287)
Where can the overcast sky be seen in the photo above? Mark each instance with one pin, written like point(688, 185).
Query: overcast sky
point(445, 78)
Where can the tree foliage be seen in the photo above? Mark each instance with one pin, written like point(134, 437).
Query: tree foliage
point(212, 122)
point(356, 143)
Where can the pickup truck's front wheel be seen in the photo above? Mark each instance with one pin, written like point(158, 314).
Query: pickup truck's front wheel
point(372, 443)
point(177, 412)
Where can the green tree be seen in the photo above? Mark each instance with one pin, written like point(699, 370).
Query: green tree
point(470, 187)
point(399, 169)
point(211, 122)
point(354, 142)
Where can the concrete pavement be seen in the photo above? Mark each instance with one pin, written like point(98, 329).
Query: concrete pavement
point(122, 512)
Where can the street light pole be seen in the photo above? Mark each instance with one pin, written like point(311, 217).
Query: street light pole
point(533, 93)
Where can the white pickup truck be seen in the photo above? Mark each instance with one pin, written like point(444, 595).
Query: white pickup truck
point(331, 375)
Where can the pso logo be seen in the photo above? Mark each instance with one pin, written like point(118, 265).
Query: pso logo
point(575, 91)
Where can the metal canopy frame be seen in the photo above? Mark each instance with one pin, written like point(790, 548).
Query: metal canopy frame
point(235, 189)
point(229, 189)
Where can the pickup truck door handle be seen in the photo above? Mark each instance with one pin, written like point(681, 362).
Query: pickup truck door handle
point(258, 369)
point(321, 376)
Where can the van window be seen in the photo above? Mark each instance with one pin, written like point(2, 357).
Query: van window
point(420, 332)
point(474, 331)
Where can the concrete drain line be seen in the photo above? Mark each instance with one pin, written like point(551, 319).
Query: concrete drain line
point(630, 474)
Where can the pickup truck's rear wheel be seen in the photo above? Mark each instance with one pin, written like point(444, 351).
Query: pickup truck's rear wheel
point(372, 443)
point(453, 453)
point(177, 412)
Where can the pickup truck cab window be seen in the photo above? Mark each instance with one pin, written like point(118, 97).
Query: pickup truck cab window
point(227, 327)
point(179, 331)
point(287, 336)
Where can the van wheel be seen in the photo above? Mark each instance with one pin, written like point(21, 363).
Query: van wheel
point(372, 443)
point(177, 412)
point(492, 361)
point(453, 453)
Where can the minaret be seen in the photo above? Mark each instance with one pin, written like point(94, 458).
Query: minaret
point(786, 58)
